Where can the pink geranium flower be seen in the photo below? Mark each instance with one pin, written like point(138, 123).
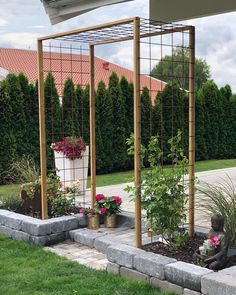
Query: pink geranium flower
point(81, 210)
point(99, 197)
point(103, 211)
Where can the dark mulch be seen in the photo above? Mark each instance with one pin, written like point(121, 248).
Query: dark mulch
point(183, 253)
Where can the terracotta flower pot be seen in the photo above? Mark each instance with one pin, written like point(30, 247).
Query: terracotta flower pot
point(110, 221)
point(93, 222)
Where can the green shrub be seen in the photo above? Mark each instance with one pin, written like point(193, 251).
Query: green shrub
point(11, 202)
point(60, 205)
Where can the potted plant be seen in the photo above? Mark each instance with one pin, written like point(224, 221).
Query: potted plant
point(71, 160)
point(109, 207)
point(93, 217)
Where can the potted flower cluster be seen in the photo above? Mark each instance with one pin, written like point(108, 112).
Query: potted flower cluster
point(109, 207)
point(71, 160)
point(105, 206)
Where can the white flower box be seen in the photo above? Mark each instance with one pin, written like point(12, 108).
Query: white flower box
point(72, 170)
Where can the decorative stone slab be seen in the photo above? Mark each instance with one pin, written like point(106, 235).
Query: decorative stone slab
point(152, 264)
point(113, 268)
point(164, 285)
point(87, 236)
point(103, 242)
point(47, 240)
point(123, 254)
point(20, 236)
point(11, 219)
point(220, 283)
point(133, 274)
point(191, 292)
point(186, 275)
point(7, 231)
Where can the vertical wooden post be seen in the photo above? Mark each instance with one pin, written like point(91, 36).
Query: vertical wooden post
point(137, 133)
point(191, 130)
point(92, 128)
point(42, 132)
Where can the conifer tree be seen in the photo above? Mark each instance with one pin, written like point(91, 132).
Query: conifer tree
point(86, 115)
point(119, 144)
point(52, 116)
point(146, 124)
point(106, 123)
point(79, 98)
point(18, 121)
point(8, 142)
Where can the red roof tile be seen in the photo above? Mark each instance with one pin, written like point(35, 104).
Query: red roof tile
point(64, 65)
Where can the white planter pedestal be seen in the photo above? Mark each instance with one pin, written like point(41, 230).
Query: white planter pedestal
point(72, 170)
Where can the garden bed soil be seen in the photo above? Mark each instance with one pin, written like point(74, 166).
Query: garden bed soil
point(182, 253)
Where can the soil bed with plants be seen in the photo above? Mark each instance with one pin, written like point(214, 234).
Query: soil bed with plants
point(184, 252)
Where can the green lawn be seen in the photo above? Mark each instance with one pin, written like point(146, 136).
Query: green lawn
point(122, 177)
point(29, 270)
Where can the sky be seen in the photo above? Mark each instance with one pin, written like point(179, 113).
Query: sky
point(23, 21)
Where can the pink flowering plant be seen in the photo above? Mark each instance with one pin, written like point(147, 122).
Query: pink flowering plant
point(89, 212)
point(71, 147)
point(108, 205)
point(214, 241)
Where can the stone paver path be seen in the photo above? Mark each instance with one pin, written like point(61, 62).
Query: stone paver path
point(80, 253)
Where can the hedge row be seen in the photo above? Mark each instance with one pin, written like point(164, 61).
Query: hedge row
point(69, 115)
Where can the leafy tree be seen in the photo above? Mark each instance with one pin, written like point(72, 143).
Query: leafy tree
point(119, 146)
point(8, 142)
point(176, 67)
point(106, 123)
point(18, 122)
point(52, 116)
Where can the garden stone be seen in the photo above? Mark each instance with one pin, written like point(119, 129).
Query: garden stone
point(133, 274)
point(220, 283)
point(47, 240)
point(36, 227)
point(20, 236)
point(63, 223)
point(82, 220)
point(165, 285)
point(186, 275)
point(12, 220)
point(5, 230)
point(86, 236)
point(123, 254)
point(152, 264)
point(191, 292)
point(113, 268)
point(102, 243)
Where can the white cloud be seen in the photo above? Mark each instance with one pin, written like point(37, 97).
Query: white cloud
point(22, 40)
point(3, 22)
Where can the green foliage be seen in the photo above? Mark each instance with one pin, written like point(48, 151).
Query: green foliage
point(175, 67)
point(8, 141)
point(79, 98)
point(86, 116)
point(118, 138)
point(220, 199)
point(146, 116)
point(106, 123)
point(11, 202)
point(60, 205)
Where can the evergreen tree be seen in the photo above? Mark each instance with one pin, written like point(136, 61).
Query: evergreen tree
point(70, 109)
point(119, 144)
point(232, 127)
point(18, 121)
point(210, 96)
point(106, 123)
point(8, 142)
point(146, 116)
point(100, 153)
point(86, 115)
point(79, 98)
point(52, 117)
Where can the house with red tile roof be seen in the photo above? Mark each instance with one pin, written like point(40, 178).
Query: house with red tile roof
point(63, 65)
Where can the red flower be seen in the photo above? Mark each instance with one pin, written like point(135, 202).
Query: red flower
point(103, 211)
point(81, 210)
point(99, 197)
point(118, 200)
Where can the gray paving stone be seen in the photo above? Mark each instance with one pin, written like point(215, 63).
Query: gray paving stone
point(86, 236)
point(12, 220)
point(5, 230)
point(186, 275)
point(47, 240)
point(123, 254)
point(220, 283)
point(152, 264)
point(20, 236)
point(191, 292)
point(82, 220)
point(63, 223)
point(36, 227)
point(113, 268)
point(133, 274)
point(165, 285)
point(102, 243)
